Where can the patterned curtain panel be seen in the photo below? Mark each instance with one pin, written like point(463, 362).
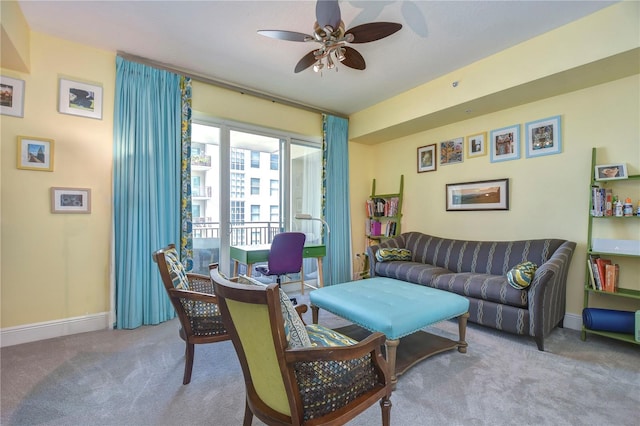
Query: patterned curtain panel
point(146, 188)
point(335, 198)
point(186, 240)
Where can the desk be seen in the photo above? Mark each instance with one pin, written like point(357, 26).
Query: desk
point(249, 255)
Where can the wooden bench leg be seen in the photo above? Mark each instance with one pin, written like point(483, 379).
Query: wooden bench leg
point(314, 314)
point(462, 331)
point(391, 346)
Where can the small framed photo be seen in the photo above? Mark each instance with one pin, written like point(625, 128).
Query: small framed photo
point(451, 152)
point(543, 137)
point(11, 96)
point(70, 200)
point(81, 99)
point(477, 145)
point(427, 158)
point(480, 195)
point(611, 171)
point(35, 153)
point(505, 144)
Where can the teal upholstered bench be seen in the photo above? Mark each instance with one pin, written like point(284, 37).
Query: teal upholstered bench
point(397, 309)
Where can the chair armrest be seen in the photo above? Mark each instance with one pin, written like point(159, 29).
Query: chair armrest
point(301, 309)
point(194, 295)
point(372, 344)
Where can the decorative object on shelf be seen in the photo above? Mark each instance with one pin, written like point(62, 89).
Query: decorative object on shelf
point(477, 145)
point(427, 158)
point(81, 99)
point(505, 144)
point(11, 96)
point(611, 171)
point(544, 137)
point(480, 195)
point(35, 153)
point(70, 200)
point(452, 151)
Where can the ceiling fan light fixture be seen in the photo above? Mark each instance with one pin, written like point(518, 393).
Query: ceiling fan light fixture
point(340, 51)
point(318, 66)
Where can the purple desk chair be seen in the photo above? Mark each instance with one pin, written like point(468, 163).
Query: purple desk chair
point(285, 256)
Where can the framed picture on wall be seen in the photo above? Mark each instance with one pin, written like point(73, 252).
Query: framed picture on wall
point(477, 145)
point(11, 96)
point(81, 99)
point(70, 200)
point(505, 144)
point(543, 137)
point(35, 153)
point(480, 195)
point(611, 171)
point(427, 158)
point(452, 151)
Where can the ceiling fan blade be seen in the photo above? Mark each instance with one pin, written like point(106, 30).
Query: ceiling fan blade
point(374, 31)
point(306, 61)
point(328, 13)
point(285, 35)
point(353, 59)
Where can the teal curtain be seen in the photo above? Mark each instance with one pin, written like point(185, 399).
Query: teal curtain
point(335, 198)
point(146, 187)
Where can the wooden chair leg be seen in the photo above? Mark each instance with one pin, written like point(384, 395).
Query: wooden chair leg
point(385, 404)
point(188, 363)
point(248, 415)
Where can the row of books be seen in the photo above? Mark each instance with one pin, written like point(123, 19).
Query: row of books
point(601, 201)
point(382, 207)
point(603, 274)
point(374, 228)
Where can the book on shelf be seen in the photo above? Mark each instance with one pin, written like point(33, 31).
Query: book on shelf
point(595, 272)
point(611, 277)
point(601, 263)
point(592, 278)
point(603, 274)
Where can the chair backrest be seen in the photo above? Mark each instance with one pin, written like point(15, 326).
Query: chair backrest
point(285, 255)
point(253, 317)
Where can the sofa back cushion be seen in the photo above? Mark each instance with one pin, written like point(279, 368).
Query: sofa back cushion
point(482, 257)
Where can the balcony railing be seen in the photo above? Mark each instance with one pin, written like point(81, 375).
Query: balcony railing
point(201, 160)
point(243, 233)
point(201, 191)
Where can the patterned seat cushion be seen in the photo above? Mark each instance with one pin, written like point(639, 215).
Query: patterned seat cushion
point(492, 288)
point(176, 270)
point(326, 337)
point(294, 328)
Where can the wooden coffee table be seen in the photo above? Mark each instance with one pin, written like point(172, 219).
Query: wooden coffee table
point(399, 310)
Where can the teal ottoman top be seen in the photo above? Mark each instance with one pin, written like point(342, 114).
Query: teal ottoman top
point(393, 307)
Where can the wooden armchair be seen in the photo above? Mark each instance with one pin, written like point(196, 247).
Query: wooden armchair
point(193, 298)
point(327, 381)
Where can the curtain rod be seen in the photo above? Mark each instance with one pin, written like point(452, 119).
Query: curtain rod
point(225, 85)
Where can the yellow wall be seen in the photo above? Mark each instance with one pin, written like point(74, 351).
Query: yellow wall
point(57, 266)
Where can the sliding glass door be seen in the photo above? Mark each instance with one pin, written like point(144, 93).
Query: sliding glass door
point(242, 190)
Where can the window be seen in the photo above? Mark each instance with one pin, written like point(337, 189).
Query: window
point(274, 213)
point(255, 213)
point(237, 211)
point(255, 186)
point(255, 160)
point(237, 185)
point(237, 159)
point(274, 161)
point(273, 188)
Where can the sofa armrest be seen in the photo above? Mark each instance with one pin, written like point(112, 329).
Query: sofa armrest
point(548, 293)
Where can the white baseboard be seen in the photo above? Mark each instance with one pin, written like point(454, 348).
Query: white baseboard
point(573, 321)
point(46, 330)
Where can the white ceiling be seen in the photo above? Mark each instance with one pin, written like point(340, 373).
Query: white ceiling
point(219, 40)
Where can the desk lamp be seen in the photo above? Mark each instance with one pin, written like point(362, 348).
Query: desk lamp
point(306, 216)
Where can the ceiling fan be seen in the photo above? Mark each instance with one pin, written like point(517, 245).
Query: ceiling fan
point(330, 33)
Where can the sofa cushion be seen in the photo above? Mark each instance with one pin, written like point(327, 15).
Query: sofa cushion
point(413, 272)
point(521, 275)
point(176, 269)
point(326, 337)
point(494, 288)
point(388, 254)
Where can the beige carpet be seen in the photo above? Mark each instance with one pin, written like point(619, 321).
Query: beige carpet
point(134, 377)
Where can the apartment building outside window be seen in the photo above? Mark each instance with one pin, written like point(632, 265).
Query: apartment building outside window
point(273, 188)
point(255, 159)
point(275, 161)
point(255, 186)
point(237, 159)
point(237, 185)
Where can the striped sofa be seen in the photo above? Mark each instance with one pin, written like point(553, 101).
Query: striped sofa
point(478, 271)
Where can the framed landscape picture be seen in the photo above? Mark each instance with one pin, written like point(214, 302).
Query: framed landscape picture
point(70, 200)
point(543, 137)
point(35, 153)
point(81, 99)
point(480, 195)
point(427, 158)
point(505, 144)
point(451, 152)
point(11, 96)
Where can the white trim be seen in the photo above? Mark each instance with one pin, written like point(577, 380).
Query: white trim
point(10, 336)
point(573, 322)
